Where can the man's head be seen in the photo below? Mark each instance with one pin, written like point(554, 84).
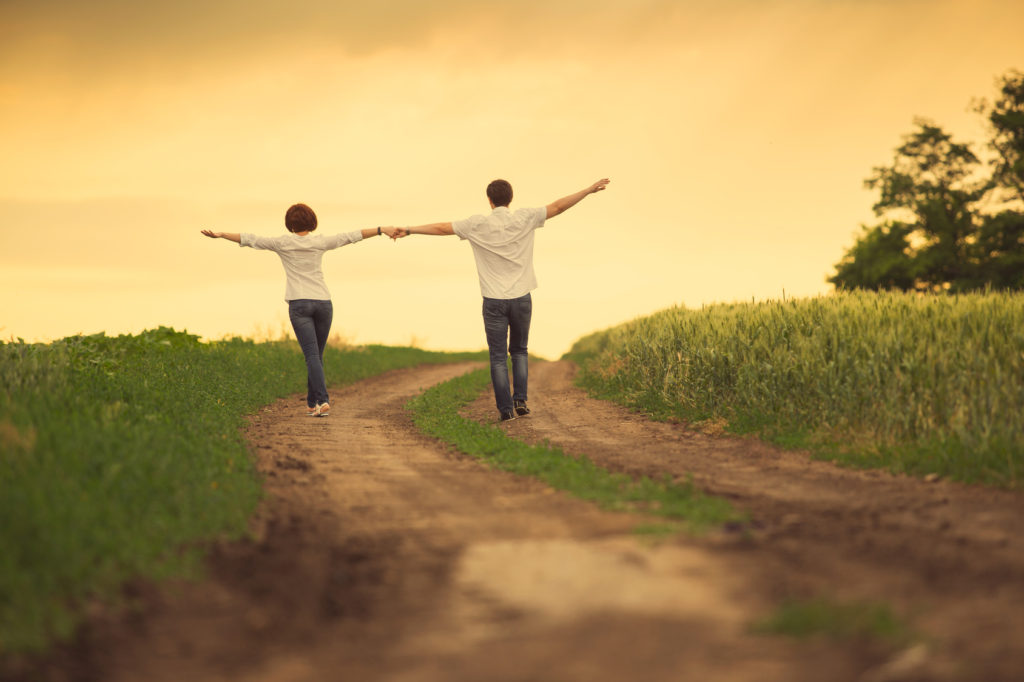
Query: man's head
point(300, 218)
point(500, 193)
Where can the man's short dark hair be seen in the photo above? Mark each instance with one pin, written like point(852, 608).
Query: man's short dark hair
point(300, 218)
point(500, 192)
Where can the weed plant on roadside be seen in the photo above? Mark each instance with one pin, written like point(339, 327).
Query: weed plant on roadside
point(837, 620)
point(917, 384)
point(118, 454)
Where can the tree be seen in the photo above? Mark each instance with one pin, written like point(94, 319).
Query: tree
point(1006, 121)
point(945, 225)
point(926, 196)
point(877, 260)
point(1000, 245)
point(1000, 251)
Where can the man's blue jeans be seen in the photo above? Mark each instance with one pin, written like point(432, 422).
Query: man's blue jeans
point(507, 324)
point(311, 321)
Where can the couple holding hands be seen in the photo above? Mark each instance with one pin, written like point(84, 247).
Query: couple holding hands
point(502, 246)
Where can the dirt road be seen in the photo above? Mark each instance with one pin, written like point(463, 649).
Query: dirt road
point(380, 555)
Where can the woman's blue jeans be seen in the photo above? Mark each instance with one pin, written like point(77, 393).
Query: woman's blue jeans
point(507, 324)
point(311, 321)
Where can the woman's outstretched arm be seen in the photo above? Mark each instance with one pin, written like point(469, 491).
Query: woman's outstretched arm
point(230, 236)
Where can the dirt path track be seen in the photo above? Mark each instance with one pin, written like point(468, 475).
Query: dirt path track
point(950, 555)
point(382, 556)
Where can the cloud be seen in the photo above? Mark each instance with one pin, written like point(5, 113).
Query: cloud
point(109, 37)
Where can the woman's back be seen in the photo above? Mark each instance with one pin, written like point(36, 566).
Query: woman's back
point(302, 255)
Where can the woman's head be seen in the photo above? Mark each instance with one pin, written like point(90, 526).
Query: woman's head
point(300, 218)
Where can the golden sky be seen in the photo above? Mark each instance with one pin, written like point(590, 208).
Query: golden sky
point(737, 134)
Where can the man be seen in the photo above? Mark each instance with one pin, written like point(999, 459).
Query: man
point(503, 248)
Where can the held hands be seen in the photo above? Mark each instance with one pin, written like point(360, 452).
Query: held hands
point(395, 232)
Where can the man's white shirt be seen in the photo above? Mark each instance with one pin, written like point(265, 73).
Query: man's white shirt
point(503, 248)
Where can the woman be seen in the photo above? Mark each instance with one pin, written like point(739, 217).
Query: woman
point(309, 301)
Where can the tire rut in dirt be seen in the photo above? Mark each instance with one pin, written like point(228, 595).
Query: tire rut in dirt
point(949, 554)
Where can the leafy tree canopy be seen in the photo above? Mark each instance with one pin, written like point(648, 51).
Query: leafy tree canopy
point(948, 221)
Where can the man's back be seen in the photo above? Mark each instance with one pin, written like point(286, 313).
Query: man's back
point(503, 248)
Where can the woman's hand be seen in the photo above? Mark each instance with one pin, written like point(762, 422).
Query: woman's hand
point(230, 236)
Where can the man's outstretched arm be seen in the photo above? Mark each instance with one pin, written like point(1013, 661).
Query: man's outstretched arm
point(565, 203)
point(439, 229)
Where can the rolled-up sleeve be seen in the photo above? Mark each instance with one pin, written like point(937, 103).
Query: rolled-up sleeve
point(338, 240)
point(536, 216)
point(256, 242)
point(461, 228)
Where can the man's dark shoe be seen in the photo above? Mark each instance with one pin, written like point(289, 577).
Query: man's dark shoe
point(506, 416)
point(521, 408)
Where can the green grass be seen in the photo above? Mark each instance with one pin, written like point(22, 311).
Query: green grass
point(119, 456)
point(436, 413)
point(657, 531)
point(915, 384)
point(837, 620)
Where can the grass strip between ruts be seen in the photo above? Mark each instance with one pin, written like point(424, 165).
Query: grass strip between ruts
point(436, 412)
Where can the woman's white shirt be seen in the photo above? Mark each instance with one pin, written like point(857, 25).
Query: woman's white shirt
point(301, 256)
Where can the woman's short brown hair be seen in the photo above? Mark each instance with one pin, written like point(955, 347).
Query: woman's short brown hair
point(300, 218)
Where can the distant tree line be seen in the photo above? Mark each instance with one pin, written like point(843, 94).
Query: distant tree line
point(947, 221)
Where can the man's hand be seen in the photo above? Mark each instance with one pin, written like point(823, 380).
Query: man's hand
point(439, 229)
point(211, 234)
point(565, 203)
